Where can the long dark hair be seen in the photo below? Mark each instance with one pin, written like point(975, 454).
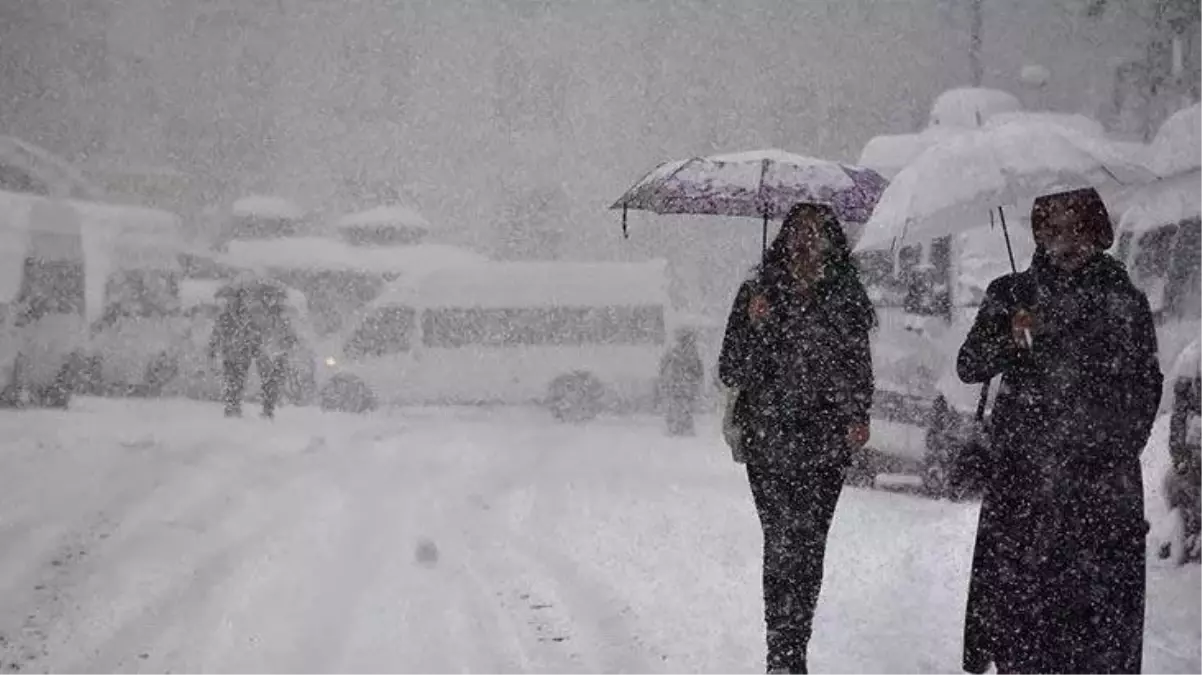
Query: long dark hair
point(840, 288)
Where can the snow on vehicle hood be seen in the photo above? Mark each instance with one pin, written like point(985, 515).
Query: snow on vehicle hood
point(1177, 147)
point(971, 107)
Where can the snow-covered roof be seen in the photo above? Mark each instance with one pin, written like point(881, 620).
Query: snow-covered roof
point(1077, 122)
point(325, 253)
point(535, 284)
point(888, 154)
point(1164, 202)
point(971, 107)
point(63, 178)
point(266, 206)
point(402, 216)
point(1177, 147)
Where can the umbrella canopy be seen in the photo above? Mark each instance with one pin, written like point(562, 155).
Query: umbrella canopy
point(888, 154)
point(760, 184)
point(956, 184)
point(1175, 149)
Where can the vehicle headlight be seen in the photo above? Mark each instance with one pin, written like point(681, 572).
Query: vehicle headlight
point(331, 361)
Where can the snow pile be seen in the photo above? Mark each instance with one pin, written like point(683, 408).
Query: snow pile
point(971, 107)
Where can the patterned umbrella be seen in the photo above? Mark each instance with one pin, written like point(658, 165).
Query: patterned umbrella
point(759, 184)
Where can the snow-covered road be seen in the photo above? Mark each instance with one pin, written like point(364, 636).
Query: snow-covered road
point(156, 536)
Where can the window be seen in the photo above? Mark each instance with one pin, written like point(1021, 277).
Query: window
point(1154, 252)
point(545, 326)
point(1182, 291)
point(50, 287)
point(387, 331)
point(334, 296)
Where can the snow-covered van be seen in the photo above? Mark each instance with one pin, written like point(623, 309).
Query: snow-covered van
point(133, 309)
point(927, 298)
point(578, 336)
point(92, 284)
point(1160, 242)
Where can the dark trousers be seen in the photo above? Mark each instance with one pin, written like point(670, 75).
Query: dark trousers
point(237, 367)
point(796, 507)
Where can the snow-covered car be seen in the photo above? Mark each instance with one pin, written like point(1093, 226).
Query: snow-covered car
point(200, 376)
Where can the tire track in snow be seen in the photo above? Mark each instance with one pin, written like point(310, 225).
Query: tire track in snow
point(582, 612)
point(65, 626)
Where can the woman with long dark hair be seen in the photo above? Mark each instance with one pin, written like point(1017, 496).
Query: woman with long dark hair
point(797, 351)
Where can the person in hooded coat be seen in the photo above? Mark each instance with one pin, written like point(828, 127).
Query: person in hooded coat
point(680, 376)
point(1057, 580)
point(797, 350)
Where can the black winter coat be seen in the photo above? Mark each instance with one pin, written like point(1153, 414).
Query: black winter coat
point(1058, 569)
point(803, 372)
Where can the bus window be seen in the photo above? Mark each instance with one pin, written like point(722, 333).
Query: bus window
point(50, 287)
point(544, 326)
point(334, 296)
point(385, 331)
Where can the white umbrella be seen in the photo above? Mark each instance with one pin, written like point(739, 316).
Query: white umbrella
point(956, 184)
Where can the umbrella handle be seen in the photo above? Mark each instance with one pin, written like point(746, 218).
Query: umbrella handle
point(625, 232)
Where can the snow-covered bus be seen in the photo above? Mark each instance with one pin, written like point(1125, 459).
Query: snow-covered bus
point(579, 337)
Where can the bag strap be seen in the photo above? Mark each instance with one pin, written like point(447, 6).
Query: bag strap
point(983, 401)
